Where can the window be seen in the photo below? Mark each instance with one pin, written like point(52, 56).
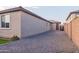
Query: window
point(2, 21)
point(5, 21)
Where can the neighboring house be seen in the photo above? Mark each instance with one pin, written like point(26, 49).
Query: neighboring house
point(58, 25)
point(72, 27)
point(61, 27)
point(22, 23)
point(55, 25)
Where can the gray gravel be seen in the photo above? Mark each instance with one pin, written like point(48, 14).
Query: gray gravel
point(50, 42)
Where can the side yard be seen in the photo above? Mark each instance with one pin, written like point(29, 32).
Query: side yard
point(50, 42)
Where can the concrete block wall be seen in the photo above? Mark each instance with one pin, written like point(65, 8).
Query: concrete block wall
point(69, 30)
point(75, 31)
point(72, 30)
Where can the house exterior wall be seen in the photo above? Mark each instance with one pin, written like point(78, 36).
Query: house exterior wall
point(31, 25)
point(54, 26)
point(15, 21)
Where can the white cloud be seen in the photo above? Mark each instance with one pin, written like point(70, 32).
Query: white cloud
point(5, 7)
point(39, 2)
point(31, 8)
point(2, 8)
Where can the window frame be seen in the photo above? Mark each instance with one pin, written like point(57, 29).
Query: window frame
point(5, 22)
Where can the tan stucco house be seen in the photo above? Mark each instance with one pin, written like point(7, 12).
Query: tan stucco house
point(55, 25)
point(71, 27)
point(22, 23)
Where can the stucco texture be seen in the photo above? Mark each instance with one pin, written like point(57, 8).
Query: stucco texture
point(31, 25)
point(14, 29)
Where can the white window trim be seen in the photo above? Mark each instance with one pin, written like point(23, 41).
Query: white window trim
point(5, 28)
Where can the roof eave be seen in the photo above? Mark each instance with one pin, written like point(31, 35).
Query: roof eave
point(24, 10)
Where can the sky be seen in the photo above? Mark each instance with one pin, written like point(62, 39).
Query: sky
point(57, 13)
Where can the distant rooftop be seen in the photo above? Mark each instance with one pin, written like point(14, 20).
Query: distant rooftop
point(53, 21)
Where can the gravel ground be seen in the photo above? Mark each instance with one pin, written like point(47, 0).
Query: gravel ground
point(50, 42)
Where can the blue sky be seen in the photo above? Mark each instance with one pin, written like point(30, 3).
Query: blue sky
point(58, 13)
